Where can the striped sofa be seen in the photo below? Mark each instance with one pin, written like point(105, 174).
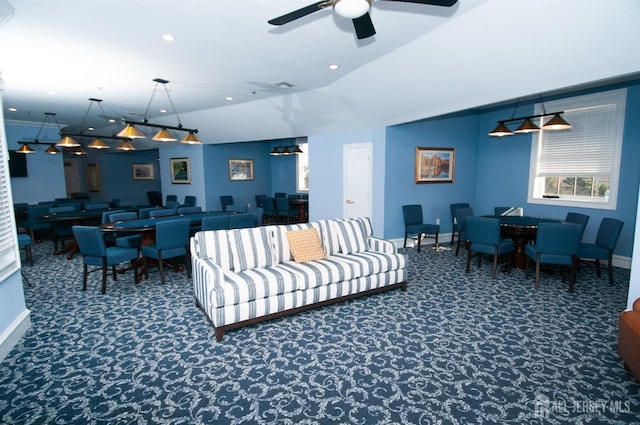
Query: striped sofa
point(244, 276)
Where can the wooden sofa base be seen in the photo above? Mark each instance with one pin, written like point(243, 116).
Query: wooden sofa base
point(220, 330)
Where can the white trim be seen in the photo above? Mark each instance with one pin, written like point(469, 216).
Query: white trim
point(10, 337)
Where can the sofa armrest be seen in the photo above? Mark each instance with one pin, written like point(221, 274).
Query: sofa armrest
point(382, 245)
point(206, 276)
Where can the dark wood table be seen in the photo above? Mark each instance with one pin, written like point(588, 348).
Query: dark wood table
point(303, 207)
point(522, 231)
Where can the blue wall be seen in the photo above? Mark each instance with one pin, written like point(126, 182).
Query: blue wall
point(493, 171)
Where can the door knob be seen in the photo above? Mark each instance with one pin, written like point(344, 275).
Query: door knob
point(349, 201)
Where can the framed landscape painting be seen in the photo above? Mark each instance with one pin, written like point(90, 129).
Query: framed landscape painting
point(434, 165)
point(240, 169)
point(180, 171)
point(142, 171)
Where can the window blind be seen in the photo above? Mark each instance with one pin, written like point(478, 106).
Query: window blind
point(8, 248)
point(587, 150)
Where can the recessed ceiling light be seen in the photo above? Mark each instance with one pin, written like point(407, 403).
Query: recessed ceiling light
point(168, 37)
point(13, 110)
point(111, 120)
point(229, 98)
point(333, 67)
point(164, 111)
point(91, 129)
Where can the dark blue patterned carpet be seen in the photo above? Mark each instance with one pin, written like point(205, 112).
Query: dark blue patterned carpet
point(453, 349)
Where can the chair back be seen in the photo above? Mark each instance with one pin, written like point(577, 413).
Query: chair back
point(226, 200)
point(454, 207)
point(155, 198)
point(577, 218)
point(259, 216)
point(96, 205)
point(460, 215)
point(162, 213)
point(483, 230)
point(280, 195)
point(558, 238)
point(146, 212)
point(90, 241)
point(123, 215)
point(172, 233)
point(241, 221)
point(172, 198)
point(216, 222)
point(609, 232)
point(172, 205)
point(65, 208)
point(236, 208)
point(269, 205)
point(282, 205)
point(412, 214)
point(189, 201)
point(260, 200)
point(189, 210)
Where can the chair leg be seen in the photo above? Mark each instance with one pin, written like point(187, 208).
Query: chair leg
point(598, 268)
point(572, 277)
point(84, 277)
point(419, 241)
point(457, 247)
point(537, 271)
point(468, 257)
point(104, 275)
point(188, 263)
point(161, 267)
point(405, 240)
point(495, 263)
point(610, 268)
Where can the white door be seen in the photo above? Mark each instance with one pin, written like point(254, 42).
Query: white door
point(357, 180)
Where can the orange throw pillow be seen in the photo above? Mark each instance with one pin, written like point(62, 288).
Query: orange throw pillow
point(305, 245)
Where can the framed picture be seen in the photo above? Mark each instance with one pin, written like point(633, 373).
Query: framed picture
point(180, 171)
point(240, 169)
point(434, 165)
point(142, 171)
point(93, 178)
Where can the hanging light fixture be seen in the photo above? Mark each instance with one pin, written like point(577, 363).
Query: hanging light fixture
point(126, 146)
point(191, 139)
point(284, 150)
point(528, 126)
point(52, 150)
point(78, 151)
point(26, 146)
point(98, 143)
point(130, 131)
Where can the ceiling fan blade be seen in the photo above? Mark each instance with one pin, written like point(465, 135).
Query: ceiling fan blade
point(364, 26)
point(297, 14)
point(445, 3)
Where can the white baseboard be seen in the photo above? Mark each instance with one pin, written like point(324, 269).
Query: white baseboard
point(14, 332)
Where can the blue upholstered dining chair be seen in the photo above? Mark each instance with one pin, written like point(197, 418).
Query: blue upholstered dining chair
point(414, 225)
point(95, 252)
point(483, 235)
point(453, 208)
point(61, 230)
point(283, 209)
point(225, 200)
point(146, 212)
point(126, 240)
point(269, 207)
point(215, 222)
point(577, 218)
point(189, 210)
point(25, 241)
point(241, 221)
point(35, 223)
point(162, 212)
point(556, 243)
point(236, 208)
point(606, 240)
point(460, 224)
point(189, 201)
point(172, 240)
point(259, 216)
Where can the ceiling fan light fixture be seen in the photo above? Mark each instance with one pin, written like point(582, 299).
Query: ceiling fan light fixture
point(164, 136)
point(351, 9)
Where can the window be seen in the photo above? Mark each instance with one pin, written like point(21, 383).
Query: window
point(303, 168)
point(8, 245)
point(579, 167)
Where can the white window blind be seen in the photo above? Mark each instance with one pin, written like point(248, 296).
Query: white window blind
point(585, 151)
point(8, 248)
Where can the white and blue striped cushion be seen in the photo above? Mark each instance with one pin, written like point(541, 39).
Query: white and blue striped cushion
point(351, 236)
point(321, 272)
point(250, 248)
point(329, 237)
point(279, 242)
point(254, 284)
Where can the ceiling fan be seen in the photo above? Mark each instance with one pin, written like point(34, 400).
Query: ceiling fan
point(356, 10)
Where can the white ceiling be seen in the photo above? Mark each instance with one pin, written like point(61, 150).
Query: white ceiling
point(424, 61)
